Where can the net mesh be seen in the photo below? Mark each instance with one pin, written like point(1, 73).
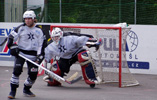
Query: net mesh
point(83, 11)
point(107, 57)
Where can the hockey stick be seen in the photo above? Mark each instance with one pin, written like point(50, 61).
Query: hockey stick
point(41, 72)
point(73, 76)
point(76, 80)
point(51, 74)
point(3, 41)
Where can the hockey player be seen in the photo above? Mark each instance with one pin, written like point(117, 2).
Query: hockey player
point(70, 49)
point(29, 40)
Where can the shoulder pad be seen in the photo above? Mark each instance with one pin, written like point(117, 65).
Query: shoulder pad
point(38, 26)
point(17, 28)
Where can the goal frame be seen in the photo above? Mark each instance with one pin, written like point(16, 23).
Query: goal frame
point(100, 27)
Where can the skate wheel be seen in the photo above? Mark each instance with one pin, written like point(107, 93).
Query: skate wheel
point(92, 85)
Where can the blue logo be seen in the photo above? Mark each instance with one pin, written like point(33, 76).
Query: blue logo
point(132, 41)
point(131, 46)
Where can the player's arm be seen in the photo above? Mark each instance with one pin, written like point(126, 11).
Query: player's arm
point(86, 41)
point(77, 34)
point(91, 42)
point(10, 40)
point(45, 44)
point(13, 36)
point(13, 47)
point(41, 47)
point(49, 53)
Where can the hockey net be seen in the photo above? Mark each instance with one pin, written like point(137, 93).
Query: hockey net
point(110, 59)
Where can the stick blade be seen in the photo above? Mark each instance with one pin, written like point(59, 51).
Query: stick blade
point(73, 76)
point(76, 80)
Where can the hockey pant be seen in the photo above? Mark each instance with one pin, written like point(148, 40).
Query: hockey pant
point(88, 68)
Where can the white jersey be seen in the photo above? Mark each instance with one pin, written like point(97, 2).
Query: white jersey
point(29, 39)
point(68, 46)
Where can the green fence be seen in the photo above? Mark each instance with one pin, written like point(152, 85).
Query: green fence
point(97, 11)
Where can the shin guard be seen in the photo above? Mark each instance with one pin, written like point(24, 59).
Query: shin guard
point(88, 68)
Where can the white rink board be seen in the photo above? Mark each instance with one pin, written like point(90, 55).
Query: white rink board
point(141, 57)
point(145, 53)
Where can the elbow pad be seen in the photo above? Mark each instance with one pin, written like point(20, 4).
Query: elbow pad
point(10, 41)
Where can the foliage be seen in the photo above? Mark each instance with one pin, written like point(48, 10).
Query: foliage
point(103, 11)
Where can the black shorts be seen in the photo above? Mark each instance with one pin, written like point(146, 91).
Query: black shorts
point(65, 64)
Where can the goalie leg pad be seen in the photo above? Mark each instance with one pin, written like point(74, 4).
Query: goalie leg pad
point(50, 81)
point(88, 69)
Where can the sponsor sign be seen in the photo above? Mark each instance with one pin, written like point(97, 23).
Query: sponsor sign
point(132, 45)
point(140, 46)
point(5, 30)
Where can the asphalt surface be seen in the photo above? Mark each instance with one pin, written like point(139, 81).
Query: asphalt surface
point(147, 90)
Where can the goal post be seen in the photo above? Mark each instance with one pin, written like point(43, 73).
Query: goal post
point(110, 59)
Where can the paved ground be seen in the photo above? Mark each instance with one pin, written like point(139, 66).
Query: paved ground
point(147, 90)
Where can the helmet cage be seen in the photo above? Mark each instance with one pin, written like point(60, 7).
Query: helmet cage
point(56, 35)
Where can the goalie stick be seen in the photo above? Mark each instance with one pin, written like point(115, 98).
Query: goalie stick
point(73, 78)
point(51, 74)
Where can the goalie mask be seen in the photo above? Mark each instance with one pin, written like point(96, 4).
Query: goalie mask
point(56, 35)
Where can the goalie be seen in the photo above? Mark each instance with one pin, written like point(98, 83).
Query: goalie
point(70, 49)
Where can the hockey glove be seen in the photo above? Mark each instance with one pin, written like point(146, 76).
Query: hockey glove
point(96, 45)
point(40, 58)
point(14, 51)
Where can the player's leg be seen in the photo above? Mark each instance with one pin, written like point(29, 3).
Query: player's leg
point(14, 81)
point(65, 64)
point(88, 68)
point(32, 76)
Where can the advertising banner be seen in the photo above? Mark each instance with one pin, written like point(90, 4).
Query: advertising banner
point(140, 48)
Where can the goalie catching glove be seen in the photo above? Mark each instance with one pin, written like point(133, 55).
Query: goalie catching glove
point(93, 43)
